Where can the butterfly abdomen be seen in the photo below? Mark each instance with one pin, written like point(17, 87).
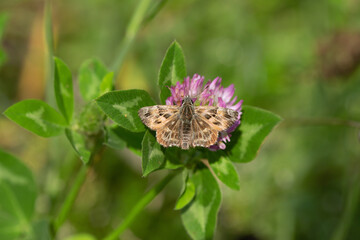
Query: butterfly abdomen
point(185, 135)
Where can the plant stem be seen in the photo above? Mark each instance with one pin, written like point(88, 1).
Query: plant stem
point(342, 229)
point(320, 121)
point(130, 34)
point(144, 201)
point(49, 47)
point(154, 10)
point(70, 198)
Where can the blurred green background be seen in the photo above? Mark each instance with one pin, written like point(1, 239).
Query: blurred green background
point(296, 58)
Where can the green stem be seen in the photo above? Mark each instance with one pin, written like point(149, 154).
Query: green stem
point(49, 43)
point(320, 121)
point(149, 196)
point(342, 230)
point(70, 198)
point(130, 34)
point(155, 10)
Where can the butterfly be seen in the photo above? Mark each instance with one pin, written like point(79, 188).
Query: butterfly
point(187, 125)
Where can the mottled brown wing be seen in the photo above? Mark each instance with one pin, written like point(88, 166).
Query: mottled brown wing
point(169, 136)
point(156, 117)
point(217, 117)
point(203, 134)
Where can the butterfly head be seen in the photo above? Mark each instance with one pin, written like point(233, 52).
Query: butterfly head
point(187, 101)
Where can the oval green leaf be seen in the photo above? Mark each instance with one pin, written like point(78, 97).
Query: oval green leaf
point(17, 201)
point(187, 194)
point(123, 107)
point(172, 70)
point(64, 89)
point(91, 74)
point(152, 156)
point(37, 117)
point(225, 170)
point(78, 143)
point(255, 125)
point(199, 217)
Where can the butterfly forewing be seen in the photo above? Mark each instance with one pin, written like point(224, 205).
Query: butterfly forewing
point(217, 117)
point(155, 117)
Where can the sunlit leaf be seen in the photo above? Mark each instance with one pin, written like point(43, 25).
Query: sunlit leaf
point(91, 74)
point(152, 156)
point(123, 107)
point(199, 217)
point(37, 117)
point(172, 70)
point(17, 201)
point(225, 170)
point(255, 125)
point(187, 193)
point(81, 236)
point(107, 83)
point(64, 89)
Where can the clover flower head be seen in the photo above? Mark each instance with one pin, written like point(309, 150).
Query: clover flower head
point(211, 94)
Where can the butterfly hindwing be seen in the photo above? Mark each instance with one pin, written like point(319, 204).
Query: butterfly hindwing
point(203, 134)
point(168, 135)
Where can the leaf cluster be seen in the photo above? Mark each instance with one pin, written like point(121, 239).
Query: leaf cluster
point(88, 130)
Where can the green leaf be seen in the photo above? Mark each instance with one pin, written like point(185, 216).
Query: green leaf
point(78, 142)
point(107, 83)
point(255, 125)
point(199, 217)
point(187, 194)
point(37, 117)
point(117, 136)
point(114, 140)
point(17, 201)
point(152, 156)
point(172, 70)
point(224, 169)
point(91, 75)
point(64, 89)
point(173, 158)
point(123, 107)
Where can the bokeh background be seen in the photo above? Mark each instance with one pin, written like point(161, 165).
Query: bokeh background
point(297, 58)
